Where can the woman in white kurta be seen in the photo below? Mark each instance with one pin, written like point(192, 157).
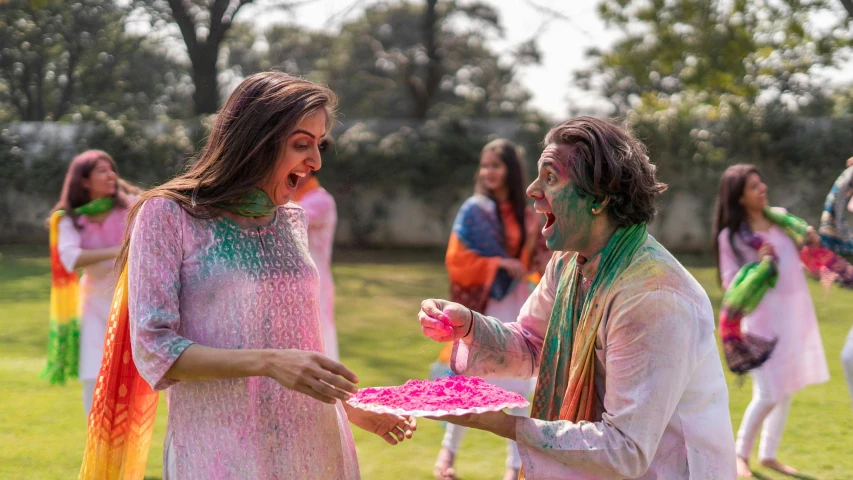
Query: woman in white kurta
point(489, 254)
point(91, 242)
point(786, 313)
point(322, 213)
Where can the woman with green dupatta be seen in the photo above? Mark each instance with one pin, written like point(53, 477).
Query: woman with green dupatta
point(86, 229)
point(746, 232)
point(630, 383)
point(219, 305)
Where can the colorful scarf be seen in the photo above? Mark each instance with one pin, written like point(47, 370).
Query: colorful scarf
point(565, 389)
point(255, 203)
point(827, 266)
point(96, 206)
point(744, 351)
point(63, 341)
point(122, 418)
point(833, 231)
point(476, 238)
point(63, 344)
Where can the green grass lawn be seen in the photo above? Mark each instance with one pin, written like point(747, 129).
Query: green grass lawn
point(42, 428)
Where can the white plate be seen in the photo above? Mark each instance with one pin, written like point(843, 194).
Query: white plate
point(370, 407)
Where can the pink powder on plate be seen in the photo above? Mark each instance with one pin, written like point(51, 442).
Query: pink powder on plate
point(441, 395)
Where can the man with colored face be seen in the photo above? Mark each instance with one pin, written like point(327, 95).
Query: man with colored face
point(620, 334)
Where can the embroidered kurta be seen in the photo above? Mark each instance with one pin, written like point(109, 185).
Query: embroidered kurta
point(663, 402)
point(214, 283)
point(98, 282)
point(786, 312)
point(322, 219)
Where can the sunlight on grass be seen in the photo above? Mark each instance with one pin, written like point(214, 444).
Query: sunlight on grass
point(378, 298)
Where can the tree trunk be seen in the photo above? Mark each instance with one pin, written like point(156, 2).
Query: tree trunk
point(206, 95)
point(424, 91)
point(848, 5)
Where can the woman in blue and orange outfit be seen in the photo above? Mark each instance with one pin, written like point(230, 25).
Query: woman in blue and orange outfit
point(494, 255)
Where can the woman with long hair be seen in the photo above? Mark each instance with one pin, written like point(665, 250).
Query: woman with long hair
point(222, 302)
point(494, 239)
point(86, 228)
point(745, 231)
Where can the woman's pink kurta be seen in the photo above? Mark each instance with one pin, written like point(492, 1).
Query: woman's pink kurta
point(322, 219)
point(214, 283)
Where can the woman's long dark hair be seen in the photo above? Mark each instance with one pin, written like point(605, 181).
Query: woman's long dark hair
point(74, 194)
point(729, 213)
point(507, 152)
point(247, 134)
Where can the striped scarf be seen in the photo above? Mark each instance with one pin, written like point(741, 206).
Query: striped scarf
point(565, 389)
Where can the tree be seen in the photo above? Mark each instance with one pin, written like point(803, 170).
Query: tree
point(288, 48)
point(411, 60)
point(744, 48)
point(60, 57)
point(203, 25)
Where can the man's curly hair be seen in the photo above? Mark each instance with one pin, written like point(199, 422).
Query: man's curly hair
point(605, 160)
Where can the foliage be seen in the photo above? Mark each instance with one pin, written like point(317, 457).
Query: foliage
point(747, 48)
point(692, 142)
point(387, 62)
point(63, 55)
point(203, 26)
point(378, 296)
point(144, 153)
point(709, 84)
point(390, 61)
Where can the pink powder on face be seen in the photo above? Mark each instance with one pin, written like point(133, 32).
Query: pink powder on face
point(443, 394)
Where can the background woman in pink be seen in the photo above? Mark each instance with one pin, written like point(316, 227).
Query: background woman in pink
point(785, 313)
point(224, 300)
point(95, 202)
point(322, 215)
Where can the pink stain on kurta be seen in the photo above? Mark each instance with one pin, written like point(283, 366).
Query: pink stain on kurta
point(211, 282)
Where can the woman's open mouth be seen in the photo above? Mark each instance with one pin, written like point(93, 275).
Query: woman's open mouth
point(293, 179)
point(550, 218)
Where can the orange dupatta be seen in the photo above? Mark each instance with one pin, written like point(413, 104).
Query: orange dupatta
point(63, 347)
point(308, 185)
point(122, 418)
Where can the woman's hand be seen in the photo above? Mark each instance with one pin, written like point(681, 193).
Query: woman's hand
point(444, 321)
point(766, 250)
point(812, 237)
point(311, 373)
point(513, 267)
point(392, 428)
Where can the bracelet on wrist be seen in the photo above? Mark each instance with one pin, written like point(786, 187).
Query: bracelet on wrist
point(470, 324)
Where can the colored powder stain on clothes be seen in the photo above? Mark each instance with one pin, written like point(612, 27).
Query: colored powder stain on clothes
point(446, 394)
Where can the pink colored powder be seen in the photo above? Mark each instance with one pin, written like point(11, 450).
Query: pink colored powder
point(443, 394)
point(445, 322)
